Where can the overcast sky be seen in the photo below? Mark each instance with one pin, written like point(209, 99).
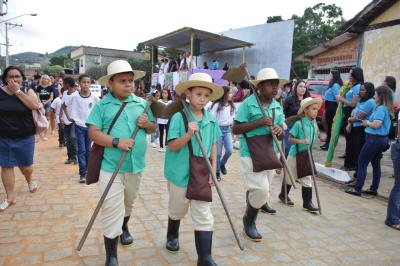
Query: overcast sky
point(121, 24)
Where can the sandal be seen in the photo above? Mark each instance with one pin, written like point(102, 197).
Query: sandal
point(33, 186)
point(5, 204)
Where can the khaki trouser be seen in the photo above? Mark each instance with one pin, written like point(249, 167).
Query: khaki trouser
point(258, 184)
point(119, 201)
point(304, 181)
point(178, 206)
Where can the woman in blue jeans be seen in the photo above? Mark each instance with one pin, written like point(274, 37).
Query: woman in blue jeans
point(376, 142)
point(224, 110)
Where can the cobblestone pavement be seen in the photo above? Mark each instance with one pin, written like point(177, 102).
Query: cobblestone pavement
point(44, 228)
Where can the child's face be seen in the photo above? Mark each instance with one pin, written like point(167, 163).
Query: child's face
point(165, 94)
point(122, 85)
point(198, 97)
point(157, 95)
point(229, 96)
point(85, 84)
point(269, 88)
point(311, 111)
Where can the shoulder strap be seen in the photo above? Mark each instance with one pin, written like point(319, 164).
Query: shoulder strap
point(116, 117)
point(186, 123)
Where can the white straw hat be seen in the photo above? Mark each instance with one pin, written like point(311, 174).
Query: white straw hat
point(307, 102)
point(120, 66)
point(200, 80)
point(267, 74)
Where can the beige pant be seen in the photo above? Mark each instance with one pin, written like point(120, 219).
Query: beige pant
point(178, 206)
point(258, 184)
point(304, 181)
point(119, 201)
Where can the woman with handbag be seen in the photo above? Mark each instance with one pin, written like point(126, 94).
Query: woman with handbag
point(185, 165)
point(258, 159)
point(17, 133)
point(298, 160)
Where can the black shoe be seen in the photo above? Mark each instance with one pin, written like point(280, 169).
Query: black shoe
point(249, 223)
point(350, 182)
point(306, 193)
point(173, 235)
point(111, 246)
point(353, 191)
point(282, 195)
point(223, 169)
point(203, 240)
point(267, 209)
point(68, 161)
point(348, 169)
point(126, 238)
point(343, 156)
point(82, 179)
point(74, 161)
point(324, 147)
point(370, 192)
point(218, 176)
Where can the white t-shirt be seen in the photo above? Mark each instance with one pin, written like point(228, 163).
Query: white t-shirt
point(162, 121)
point(56, 105)
point(224, 116)
point(65, 98)
point(81, 107)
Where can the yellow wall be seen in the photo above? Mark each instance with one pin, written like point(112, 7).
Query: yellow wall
point(390, 14)
point(381, 54)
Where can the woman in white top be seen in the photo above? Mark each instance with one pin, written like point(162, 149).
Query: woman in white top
point(224, 110)
point(163, 123)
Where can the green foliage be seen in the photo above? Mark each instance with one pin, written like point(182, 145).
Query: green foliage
point(140, 48)
point(95, 72)
point(62, 61)
point(274, 19)
point(143, 65)
point(53, 70)
point(170, 53)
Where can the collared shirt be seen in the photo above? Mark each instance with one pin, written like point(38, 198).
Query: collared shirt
point(176, 167)
point(249, 111)
point(298, 133)
point(381, 113)
point(354, 91)
point(332, 92)
point(364, 107)
point(102, 115)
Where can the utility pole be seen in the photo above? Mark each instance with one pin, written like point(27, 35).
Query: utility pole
point(12, 25)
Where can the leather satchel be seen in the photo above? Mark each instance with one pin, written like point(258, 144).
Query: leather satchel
point(198, 187)
point(96, 154)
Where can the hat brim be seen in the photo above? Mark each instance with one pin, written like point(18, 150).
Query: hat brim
point(235, 74)
point(281, 81)
point(313, 101)
point(137, 74)
point(216, 91)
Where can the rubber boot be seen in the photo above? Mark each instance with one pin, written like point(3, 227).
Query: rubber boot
point(126, 238)
point(267, 209)
point(173, 235)
point(203, 240)
point(249, 223)
point(306, 192)
point(282, 195)
point(111, 246)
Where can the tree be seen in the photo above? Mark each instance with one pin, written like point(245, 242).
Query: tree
point(95, 72)
point(53, 70)
point(143, 65)
point(274, 19)
point(140, 48)
point(62, 61)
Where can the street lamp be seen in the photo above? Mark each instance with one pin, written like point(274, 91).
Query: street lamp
point(15, 25)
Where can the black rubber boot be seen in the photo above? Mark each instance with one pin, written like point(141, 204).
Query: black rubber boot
point(126, 238)
point(111, 246)
point(306, 192)
point(173, 235)
point(249, 223)
point(203, 240)
point(282, 195)
point(267, 209)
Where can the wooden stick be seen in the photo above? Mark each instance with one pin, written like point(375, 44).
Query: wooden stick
point(104, 195)
point(220, 193)
point(310, 157)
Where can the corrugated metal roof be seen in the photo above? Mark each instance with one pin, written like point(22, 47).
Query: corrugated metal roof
point(209, 42)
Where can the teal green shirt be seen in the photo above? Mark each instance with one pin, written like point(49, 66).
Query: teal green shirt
point(176, 168)
point(102, 115)
point(250, 111)
point(298, 133)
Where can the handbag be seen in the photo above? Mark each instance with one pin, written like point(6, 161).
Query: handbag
point(39, 119)
point(198, 187)
point(96, 154)
point(262, 151)
point(303, 165)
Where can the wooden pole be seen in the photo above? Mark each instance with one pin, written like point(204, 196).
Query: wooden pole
point(191, 51)
point(243, 55)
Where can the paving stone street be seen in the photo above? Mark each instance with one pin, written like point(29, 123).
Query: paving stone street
point(44, 228)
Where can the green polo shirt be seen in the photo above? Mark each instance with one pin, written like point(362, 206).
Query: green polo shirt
point(102, 115)
point(176, 167)
point(249, 111)
point(298, 133)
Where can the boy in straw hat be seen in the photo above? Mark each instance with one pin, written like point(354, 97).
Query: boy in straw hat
point(308, 112)
point(118, 205)
point(249, 120)
point(199, 90)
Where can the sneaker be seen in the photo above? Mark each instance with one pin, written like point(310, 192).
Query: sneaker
point(5, 204)
point(82, 179)
point(33, 186)
point(223, 169)
point(153, 145)
point(218, 176)
point(161, 150)
point(353, 191)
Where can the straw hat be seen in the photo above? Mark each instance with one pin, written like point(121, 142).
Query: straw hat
point(200, 80)
point(307, 102)
point(120, 66)
point(267, 74)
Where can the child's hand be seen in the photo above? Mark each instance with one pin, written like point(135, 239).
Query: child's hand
point(192, 128)
point(126, 144)
point(142, 121)
point(265, 121)
point(277, 131)
point(306, 141)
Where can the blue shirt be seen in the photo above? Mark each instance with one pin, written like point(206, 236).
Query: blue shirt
point(332, 92)
point(381, 113)
point(214, 65)
point(364, 107)
point(354, 91)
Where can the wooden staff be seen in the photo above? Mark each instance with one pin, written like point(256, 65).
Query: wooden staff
point(310, 157)
point(114, 175)
point(216, 183)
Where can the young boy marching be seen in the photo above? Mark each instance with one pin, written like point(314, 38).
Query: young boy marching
point(117, 207)
point(250, 123)
point(56, 109)
point(308, 111)
point(180, 166)
point(82, 104)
